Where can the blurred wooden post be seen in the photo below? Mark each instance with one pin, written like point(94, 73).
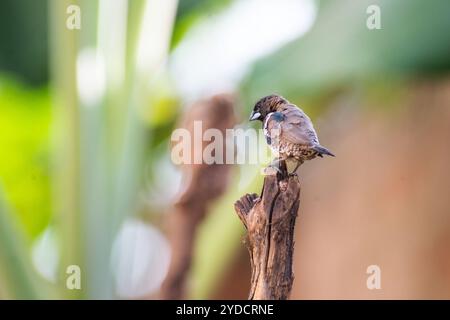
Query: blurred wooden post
point(202, 184)
point(270, 220)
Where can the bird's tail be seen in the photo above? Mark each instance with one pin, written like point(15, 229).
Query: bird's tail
point(322, 150)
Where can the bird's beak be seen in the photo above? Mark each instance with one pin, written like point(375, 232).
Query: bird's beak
point(254, 116)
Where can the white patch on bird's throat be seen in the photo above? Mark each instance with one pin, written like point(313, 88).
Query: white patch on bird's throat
point(273, 135)
point(266, 121)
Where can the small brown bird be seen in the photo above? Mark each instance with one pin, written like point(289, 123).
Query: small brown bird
point(288, 130)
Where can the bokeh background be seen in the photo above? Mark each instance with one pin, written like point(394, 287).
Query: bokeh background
point(86, 117)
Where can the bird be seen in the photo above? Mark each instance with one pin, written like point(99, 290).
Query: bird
point(288, 131)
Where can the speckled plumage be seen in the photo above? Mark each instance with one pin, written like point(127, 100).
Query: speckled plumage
point(288, 130)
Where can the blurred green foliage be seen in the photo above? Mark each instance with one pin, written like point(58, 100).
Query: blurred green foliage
point(24, 39)
point(340, 50)
point(16, 272)
point(25, 153)
point(191, 12)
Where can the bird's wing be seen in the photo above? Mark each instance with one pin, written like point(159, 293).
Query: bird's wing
point(297, 127)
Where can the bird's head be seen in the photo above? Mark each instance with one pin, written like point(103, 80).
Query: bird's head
point(266, 105)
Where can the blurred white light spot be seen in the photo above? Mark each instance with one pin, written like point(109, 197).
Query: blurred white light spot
point(90, 77)
point(162, 181)
point(45, 256)
point(140, 259)
point(215, 55)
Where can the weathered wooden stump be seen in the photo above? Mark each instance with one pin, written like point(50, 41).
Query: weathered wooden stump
point(270, 220)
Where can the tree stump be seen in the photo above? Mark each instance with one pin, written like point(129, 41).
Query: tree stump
point(270, 220)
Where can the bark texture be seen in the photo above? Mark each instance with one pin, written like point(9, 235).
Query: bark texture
point(270, 220)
